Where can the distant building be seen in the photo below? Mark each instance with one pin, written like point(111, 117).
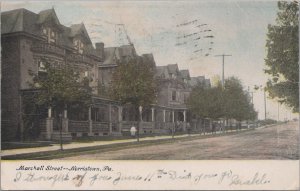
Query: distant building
point(29, 40)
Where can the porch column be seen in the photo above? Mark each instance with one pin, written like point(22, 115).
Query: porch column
point(90, 121)
point(152, 109)
point(49, 124)
point(120, 108)
point(173, 116)
point(109, 119)
point(141, 113)
point(65, 121)
point(184, 120)
point(164, 113)
point(153, 123)
point(49, 112)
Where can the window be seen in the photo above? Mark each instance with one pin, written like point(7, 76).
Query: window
point(41, 66)
point(185, 98)
point(49, 34)
point(78, 45)
point(173, 95)
point(86, 74)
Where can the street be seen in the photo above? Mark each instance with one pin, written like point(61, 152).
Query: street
point(279, 142)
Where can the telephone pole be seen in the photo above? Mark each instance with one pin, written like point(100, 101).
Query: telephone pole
point(223, 59)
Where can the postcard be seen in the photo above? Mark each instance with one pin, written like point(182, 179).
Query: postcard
point(150, 95)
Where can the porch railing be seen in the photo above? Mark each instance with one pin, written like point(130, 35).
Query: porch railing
point(79, 126)
point(100, 127)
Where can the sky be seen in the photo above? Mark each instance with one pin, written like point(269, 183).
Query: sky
point(187, 33)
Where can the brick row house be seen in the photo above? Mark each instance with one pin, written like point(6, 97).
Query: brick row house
point(29, 40)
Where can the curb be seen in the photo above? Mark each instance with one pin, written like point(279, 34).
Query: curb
point(55, 154)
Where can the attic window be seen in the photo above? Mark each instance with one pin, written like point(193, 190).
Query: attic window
point(49, 34)
point(78, 45)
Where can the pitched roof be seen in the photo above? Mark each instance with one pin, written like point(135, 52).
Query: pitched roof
point(18, 20)
point(65, 40)
point(149, 59)
point(160, 71)
point(79, 29)
point(127, 50)
point(185, 74)
point(109, 55)
point(196, 80)
point(173, 68)
point(46, 15)
point(22, 20)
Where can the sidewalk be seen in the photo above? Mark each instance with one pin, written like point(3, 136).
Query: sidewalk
point(74, 145)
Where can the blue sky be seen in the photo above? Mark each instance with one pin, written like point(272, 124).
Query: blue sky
point(238, 28)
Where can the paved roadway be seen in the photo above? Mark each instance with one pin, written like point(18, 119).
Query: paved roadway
point(278, 142)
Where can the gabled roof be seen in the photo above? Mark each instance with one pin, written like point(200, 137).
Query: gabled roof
point(65, 40)
point(127, 50)
point(149, 59)
point(112, 54)
point(22, 20)
point(196, 80)
point(79, 29)
point(109, 54)
point(185, 74)
point(173, 68)
point(160, 71)
point(47, 15)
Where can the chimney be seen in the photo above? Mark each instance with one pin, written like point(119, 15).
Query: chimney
point(100, 49)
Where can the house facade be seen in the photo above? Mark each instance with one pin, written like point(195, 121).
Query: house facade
point(29, 40)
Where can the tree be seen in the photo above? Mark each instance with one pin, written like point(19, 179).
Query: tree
point(133, 83)
point(206, 102)
point(283, 55)
point(230, 102)
point(60, 87)
point(237, 102)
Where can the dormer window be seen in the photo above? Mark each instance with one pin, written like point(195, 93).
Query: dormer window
point(50, 34)
point(78, 45)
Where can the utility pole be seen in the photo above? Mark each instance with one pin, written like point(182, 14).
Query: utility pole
point(278, 111)
point(223, 59)
point(265, 100)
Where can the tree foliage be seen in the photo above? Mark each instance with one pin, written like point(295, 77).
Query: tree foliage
point(230, 102)
point(206, 102)
point(133, 83)
point(283, 55)
point(237, 101)
point(60, 87)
